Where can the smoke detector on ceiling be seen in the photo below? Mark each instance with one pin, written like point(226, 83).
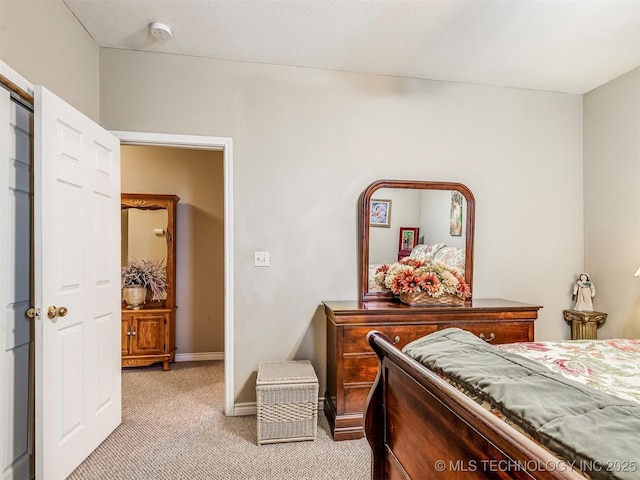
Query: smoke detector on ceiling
point(160, 30)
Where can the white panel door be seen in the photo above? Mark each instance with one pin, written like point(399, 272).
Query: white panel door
point(16, 273)
point(77, 268)
point(4, 250)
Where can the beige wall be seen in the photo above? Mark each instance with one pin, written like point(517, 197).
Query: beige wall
point(612, 201)
point(307, 142)
point(43, 42)
point(196, 176)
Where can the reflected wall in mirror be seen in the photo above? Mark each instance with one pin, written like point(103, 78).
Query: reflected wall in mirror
point(429, 206)
point(144, 235)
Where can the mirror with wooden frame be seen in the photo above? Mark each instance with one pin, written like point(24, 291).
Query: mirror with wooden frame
point(148, 232)
point(400, 217)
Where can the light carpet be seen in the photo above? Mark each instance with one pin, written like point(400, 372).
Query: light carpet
point(174, 427)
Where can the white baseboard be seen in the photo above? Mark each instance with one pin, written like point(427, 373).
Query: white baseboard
point(251, 408)
point(199, 357)
point(239, 409)
point(245, 408)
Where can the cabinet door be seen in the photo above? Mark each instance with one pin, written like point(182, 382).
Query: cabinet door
point(148, 335)
point(125, 335)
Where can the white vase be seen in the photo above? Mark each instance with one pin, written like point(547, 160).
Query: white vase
point(134, 296)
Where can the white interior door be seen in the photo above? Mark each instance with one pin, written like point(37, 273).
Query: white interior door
point(16, 413)
point(77, 258)
point(4, 250)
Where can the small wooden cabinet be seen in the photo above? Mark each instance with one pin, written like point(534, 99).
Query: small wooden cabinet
point(149, 334)
point(352, 365)
point(147, 337)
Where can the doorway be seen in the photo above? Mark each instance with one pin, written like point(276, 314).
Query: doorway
point(224, 145)
point(16, 295)
point(195, 176)
point(79, 348)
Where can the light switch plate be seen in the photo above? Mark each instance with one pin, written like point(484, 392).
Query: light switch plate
point(261, 259)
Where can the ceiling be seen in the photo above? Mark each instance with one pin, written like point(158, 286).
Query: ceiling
point(568, 46)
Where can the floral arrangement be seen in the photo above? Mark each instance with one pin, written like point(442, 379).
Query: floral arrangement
point(150, 274)
point(411, 276)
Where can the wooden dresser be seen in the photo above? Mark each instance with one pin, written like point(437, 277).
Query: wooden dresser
point(352, 365)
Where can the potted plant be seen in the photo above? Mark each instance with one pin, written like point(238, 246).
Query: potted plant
point(142, 277)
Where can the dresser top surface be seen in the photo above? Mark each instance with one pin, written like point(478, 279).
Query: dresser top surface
point(351, 307)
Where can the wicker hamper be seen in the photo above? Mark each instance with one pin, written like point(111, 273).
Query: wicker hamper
point(287, 399)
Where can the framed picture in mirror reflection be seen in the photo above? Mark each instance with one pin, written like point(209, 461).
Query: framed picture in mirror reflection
point(380, 213)
point(455, 229)
point(408, 240)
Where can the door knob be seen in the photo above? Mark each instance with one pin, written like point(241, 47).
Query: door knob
point(53, 312)
point(31, 313)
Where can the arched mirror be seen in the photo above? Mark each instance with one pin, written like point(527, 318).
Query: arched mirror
point(398, 218)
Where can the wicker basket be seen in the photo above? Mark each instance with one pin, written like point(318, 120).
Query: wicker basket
point(421, 298)
point(287, 401)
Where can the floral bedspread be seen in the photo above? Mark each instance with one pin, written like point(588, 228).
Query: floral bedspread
point(612, 366)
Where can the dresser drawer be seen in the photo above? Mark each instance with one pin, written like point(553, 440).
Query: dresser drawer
point(498, 332)
point(355, 398)
point(355, 338)
point(359, 368)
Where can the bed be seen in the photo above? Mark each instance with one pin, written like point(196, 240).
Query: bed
point(420, 424)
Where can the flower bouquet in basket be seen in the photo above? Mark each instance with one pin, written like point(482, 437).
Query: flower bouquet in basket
point(417, 282)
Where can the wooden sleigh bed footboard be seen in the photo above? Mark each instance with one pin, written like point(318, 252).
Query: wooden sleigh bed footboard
point(420, 427)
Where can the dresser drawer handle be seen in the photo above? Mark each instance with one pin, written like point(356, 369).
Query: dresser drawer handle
point(396, 339)
point(491, 337)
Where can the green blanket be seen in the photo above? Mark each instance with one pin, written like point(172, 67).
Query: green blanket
point(591, 430)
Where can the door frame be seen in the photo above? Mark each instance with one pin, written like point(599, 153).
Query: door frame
point(4, 248)
point(224, 144)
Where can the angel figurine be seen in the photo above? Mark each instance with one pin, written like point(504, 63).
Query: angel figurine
point(583, 291)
